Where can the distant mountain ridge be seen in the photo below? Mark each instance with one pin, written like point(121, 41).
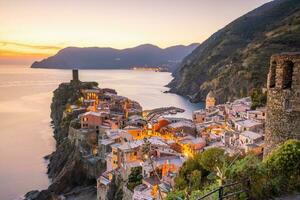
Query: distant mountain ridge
point(110, 58)
point(235, 59)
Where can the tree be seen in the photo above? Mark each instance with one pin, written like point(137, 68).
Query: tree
point(259, 99)
point(135, 178)
point(185, 177)
point(212, 158)
point(195, 179)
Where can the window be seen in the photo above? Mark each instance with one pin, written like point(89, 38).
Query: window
point(286, 104)
point(272, 78)
point(287, 75)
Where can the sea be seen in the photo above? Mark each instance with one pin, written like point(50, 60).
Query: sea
point(25, 129)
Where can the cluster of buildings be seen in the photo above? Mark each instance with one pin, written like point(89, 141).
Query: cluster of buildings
point(117, 138)
point(233, 126)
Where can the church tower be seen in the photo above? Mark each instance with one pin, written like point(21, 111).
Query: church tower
point(283, 104)
point(210, 100)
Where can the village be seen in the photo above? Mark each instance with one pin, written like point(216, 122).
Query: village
point(114, 134)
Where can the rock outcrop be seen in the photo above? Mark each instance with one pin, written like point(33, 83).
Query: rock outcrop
point(66, 168)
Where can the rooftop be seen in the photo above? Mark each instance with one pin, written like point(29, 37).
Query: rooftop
point(183, 123)
point(250, 134)
point(248, 123)
point(151, 181)
point(98, 114)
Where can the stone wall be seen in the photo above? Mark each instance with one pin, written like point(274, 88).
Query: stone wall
point(127, 194)
point(283, 104)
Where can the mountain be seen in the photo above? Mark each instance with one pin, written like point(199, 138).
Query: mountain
point(109, 58)
point(235, 59)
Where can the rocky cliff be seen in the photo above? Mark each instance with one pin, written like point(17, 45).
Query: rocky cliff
point(235, 59)
point(66, 168)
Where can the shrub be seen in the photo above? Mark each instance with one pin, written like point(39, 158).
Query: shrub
point(176, 195)
point(285, 159)
point(208, 188)
point(283, 167)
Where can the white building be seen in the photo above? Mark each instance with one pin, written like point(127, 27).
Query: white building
point(249, 137)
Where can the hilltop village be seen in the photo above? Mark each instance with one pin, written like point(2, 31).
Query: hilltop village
point(146, 148)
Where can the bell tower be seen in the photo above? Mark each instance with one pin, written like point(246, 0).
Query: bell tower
point(210, 100)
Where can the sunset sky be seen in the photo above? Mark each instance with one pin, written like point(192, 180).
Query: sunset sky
point(33, 29)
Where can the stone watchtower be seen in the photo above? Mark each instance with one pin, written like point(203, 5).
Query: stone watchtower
point(283, 104)
point(75, 76)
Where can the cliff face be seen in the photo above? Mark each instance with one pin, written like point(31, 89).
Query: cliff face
point(66, 168)
point(65, 94)
point(235, 59)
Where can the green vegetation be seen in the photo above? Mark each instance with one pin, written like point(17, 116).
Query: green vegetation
point(277, 174)
point(259, 98)
point(135, 178)
point(191, 175)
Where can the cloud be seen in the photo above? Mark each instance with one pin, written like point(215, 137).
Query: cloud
point(37, 47)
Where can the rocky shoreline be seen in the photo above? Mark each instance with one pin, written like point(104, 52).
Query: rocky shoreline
point(66, 169)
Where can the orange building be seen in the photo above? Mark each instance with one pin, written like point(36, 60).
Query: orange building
point(136, 132)
point(161, 123)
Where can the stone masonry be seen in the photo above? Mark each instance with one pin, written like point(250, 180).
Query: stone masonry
point(283, 104)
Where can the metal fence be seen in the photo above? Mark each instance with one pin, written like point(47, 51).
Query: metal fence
point(224, 192)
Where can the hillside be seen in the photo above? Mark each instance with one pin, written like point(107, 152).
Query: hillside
point(109, 58)
point(235, 59)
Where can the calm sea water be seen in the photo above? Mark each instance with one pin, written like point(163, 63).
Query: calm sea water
point(26, 135)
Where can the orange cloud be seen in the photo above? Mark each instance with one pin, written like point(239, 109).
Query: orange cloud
point(14, 52)
point(40, 47)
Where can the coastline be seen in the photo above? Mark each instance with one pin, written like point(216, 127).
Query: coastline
point(61, 162)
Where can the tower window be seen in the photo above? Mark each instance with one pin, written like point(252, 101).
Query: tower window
point(286, 104)
point(287, 75)
point(273, 75)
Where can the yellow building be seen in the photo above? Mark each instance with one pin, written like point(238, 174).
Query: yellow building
point(210, 100)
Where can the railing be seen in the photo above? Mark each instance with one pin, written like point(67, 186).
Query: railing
point(223, 195)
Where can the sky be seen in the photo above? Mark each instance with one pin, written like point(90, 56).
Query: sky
point(34, 29)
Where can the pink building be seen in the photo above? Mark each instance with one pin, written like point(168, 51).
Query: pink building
point(91, 120)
